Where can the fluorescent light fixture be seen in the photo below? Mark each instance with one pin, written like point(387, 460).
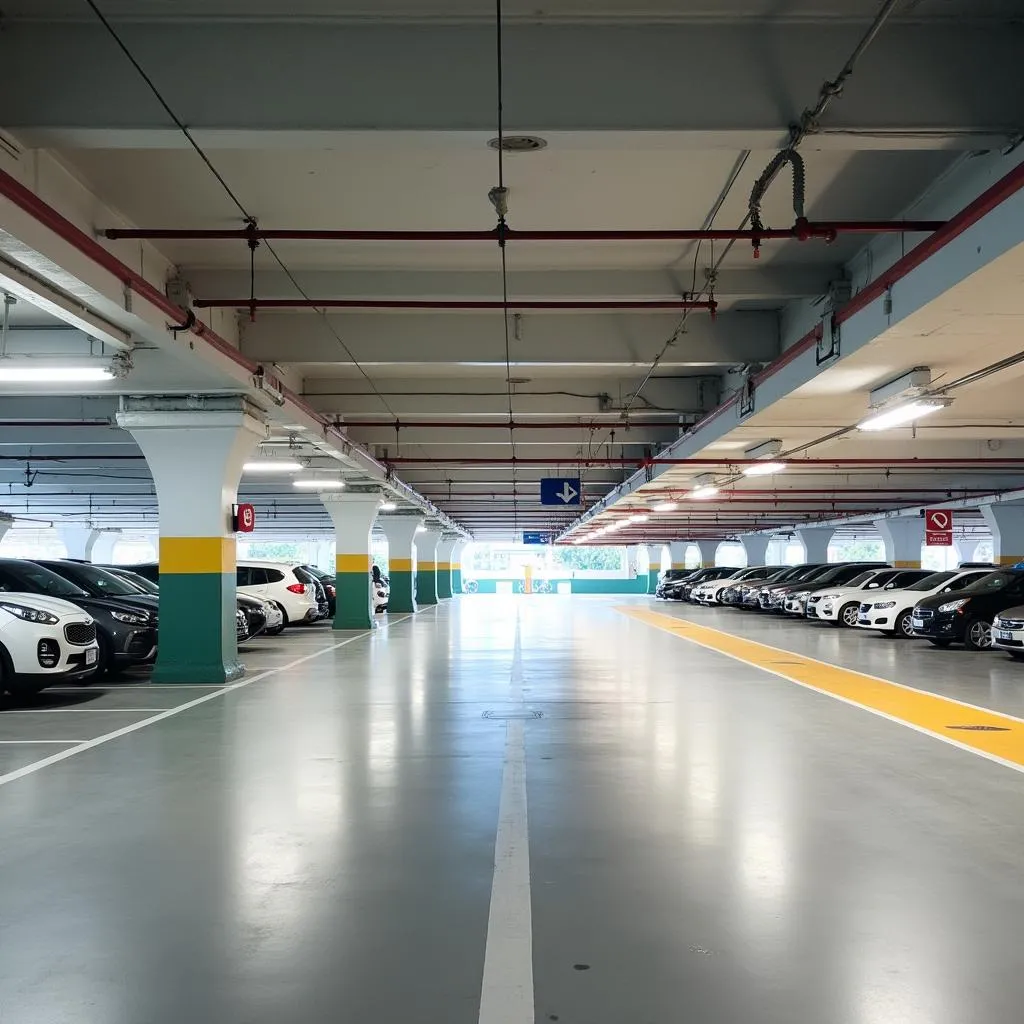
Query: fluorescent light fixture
point(272, 466)
point(901, 415)
point(704, 491)
point(764, 469)
point(44, 373)
point(764, 450)
point(665, 506)
point(637, 519)
point(312, 484)
point(388, 506)
point(908, 386)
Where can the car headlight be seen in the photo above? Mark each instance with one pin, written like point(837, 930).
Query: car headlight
point(803, 595)
point(132, 618)
point(30, 614)
point(830, 597)
point(886, 604)
point(952, 606)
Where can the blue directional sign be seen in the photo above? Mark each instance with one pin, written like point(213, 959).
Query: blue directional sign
point(533, 537)
point(561, 490)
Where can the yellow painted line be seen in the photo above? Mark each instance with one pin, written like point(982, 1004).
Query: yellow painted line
point(197, 554)
point(400, 565)
point(352, 563)
point(1000, 738)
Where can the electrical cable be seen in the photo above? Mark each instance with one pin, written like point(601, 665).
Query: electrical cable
point(247, 217)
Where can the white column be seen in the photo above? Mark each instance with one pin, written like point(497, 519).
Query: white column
point(677, 549)
point(353, 515)
point(902, 537)
point(1006, 521)
point(79, 541)
point(445, 552)
point(708, 550)
point(400, 531)
point(103, 548)
point(756, 547)
point(815, 542)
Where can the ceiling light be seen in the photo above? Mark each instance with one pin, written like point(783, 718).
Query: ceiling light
point(388, 506)
point(272, 466)
point(764, 468)
point(901, 415)
point(43, 373)
point(637, 519)
point(312, 484)
point(704, 491)
point(908, 386)
point(665, 506)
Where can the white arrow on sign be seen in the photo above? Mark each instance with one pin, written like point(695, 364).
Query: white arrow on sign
point(566, 493)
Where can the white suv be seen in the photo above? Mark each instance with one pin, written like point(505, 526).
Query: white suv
point(291, 587)
point(44, 641)
point(891, 612)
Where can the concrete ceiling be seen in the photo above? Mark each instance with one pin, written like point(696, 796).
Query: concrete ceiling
point(378, 122)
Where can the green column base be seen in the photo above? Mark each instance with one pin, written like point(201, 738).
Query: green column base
point(444, 584)
point(197, 629)
point(426, 586)
point(403, 588)
point(652, 580)
point(456, 581)
point(353, 604)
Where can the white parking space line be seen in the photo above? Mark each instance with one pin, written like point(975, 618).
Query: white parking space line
point(30, 743)
point(80, 748)
point(75, 711)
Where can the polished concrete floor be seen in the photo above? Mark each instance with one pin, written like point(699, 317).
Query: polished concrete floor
point(696, 839)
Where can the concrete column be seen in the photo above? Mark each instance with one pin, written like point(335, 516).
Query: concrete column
point(815, 542)
point(195, 456)
point(445, 549)
point(400, 531)
point(79, 541)
point(903, 538)
point(654, 553)
point(633, 561)
point(966, 548)
point(677, 549)
point(426, 542)
point(6, 522)
point(456, 558)
point(756, 547)
point(103, 547)
point(708, 550)
point(1006, 521)
point(353, 515)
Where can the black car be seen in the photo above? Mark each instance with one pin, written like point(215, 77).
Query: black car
point(327, 582)
point(772, 596)
point(125, 625)
point(681, 589)
point(670, 577)
point(966, 616)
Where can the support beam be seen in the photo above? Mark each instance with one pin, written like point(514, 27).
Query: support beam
point(903, 538)
point(426, 542)
point(79, 541)
point(756, 547)
point(456, 556)
point(708, 550)
point(654, 556)
point(677, 549)
point(400, 531)
point(815, 543)
point(445, 549)
point(1006, 521)
point(353, 515)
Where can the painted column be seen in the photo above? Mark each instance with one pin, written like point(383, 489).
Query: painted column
point(426, 542)
point(815, 542)
point(353, 515)
point(400, 531)
point(195, 456)
point(756, 547)
point(460, 546)
point(79, 541)
point(6, 522)
point(1006, 521)
point(677, 549)
point(967, 548)
point(654, 553)
point(708, 550)
point(445, 549)
point(103, 548)
point(902, 537)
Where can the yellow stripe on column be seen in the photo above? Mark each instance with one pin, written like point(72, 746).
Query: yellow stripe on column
point(197, 554)
point(352, 563)
point(905, 564)
point(400, 564)
point(443, 566)
point(1010, 559)
point(426, 566)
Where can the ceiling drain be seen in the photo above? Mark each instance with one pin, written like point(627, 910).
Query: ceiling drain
point(503, 716)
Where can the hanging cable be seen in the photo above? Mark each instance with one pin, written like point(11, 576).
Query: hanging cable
point(250, 220)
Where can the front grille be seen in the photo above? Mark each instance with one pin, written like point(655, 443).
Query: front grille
point(1009, 623)
point(81, 634)
point(922, 613)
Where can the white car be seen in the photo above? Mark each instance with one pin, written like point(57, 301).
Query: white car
point(292, 588)
point(44, 641)
point(1008, 632)
point(841, 605)
point(890, 612)
point(711, 591)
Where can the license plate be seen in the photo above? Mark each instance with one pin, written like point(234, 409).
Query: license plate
point(91, 656)
point(1004, 634)
point(917, 623)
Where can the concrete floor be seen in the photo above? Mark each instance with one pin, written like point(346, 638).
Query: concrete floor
point(707, 842)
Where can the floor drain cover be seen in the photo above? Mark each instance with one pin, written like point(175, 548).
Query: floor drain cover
point(980, 728)
point(502, 716)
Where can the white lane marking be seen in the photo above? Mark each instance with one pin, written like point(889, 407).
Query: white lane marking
point(29, 743)
point(506, 995)
point(63, 755)
point(76, 711)
point(98, 687)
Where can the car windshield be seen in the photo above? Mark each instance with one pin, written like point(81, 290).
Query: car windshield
point(26, 576)
point(94, 581)
point(936, 579)
point(868, 574)
point(145, 586)
point(993, 581)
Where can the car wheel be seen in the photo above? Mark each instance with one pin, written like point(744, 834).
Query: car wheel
point(978, 635)
point(903, 626)
point(848, 614)
point(105, 660)
point(939, 643)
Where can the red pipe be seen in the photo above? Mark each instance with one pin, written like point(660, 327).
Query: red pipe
point(253, 304)
point(505, 424)
point(802, 230)
point(726, 463)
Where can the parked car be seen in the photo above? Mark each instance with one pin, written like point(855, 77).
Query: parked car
point(892, 610)
point(670, 577)
point(328, 581)
point(292, 587)
point(772, 598)
point(840, 606)
point(710, 591)
point(967, 616)
point(1008, 632)
point(748, 594)
point(381, 589)
point(682, 589)
point(43, 641)
point(795, 600)
point(125, 630)
point(260, 616)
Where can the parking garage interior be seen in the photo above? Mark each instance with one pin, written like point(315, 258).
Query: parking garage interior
point(511, 513)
